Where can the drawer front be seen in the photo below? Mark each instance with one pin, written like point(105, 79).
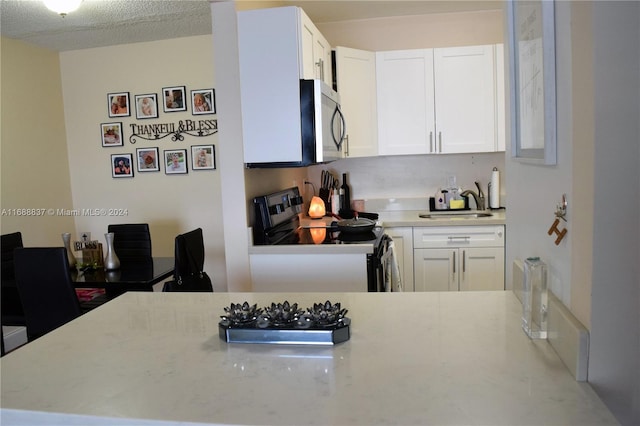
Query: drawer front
point(458, 236)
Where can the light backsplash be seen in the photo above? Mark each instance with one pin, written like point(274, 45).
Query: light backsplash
point(413, 176)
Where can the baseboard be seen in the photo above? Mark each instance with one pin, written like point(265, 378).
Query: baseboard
point(566, 335)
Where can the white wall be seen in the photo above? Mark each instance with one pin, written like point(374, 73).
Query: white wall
point(35, 168)
point(171, 204)
point(598, 154)
point(614, 356)
point(534, 190)
point(413, 176)
point(416, 32)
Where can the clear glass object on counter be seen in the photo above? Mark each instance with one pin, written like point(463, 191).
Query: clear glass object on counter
point(535, 298)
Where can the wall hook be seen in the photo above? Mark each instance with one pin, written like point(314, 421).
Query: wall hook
point(560, 213)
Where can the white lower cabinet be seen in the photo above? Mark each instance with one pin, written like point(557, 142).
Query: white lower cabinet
point(344, 272)
point(403, 250)
point(460, 258)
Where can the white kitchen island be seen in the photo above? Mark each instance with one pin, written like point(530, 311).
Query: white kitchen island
point(456, 358)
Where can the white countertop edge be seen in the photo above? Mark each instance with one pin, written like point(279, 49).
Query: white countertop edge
point(11, 417)
point(313, 249)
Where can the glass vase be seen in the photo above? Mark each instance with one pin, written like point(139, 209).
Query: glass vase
point(111, 260)
point(535, 298)
point(71, 258)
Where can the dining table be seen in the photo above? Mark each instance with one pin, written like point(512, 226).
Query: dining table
point(132, 275)
point(430, 358)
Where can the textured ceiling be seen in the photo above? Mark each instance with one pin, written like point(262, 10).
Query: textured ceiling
point(100, 23)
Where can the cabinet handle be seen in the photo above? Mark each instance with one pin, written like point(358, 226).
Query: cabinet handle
point(454, 262)
point(320, 64)
point(464, 261)
point(458, 237)
point(346, 148)
point(430, 141)
point(440, 141)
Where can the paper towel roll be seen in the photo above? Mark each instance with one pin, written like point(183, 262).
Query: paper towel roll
point(494, 194)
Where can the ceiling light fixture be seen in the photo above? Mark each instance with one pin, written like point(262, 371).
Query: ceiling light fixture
point(62, 7)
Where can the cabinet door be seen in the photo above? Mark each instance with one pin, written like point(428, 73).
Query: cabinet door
point(465, 99)
point(481, 269)
point(316, 52)
point(356, 80)
point(435, 269)
point(403, 250)
point(268, 54)
point(405, 101)
point(501, 122)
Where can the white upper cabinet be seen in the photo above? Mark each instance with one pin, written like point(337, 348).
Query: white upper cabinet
point(500, 98)
point(465, 99)
point(441, 100)
point(316, 52)
point(356, 84)
point(406, 115)
point(276, 49)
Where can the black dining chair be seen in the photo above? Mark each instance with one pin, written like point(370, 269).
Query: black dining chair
point(46, 290)
point(131, 241)
point(189, 274)
point(12, 311)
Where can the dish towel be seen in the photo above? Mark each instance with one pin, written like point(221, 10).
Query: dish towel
point(392, 279)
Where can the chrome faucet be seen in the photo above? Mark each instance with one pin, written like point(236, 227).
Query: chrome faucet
point(479, 197)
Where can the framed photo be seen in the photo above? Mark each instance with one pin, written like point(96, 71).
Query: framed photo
point(118, 104)
point(175, 161)
point(121, 165)
point(533, 80)
point(203, 101)
point(174, 99)
point(111, 134)
point(203, 157)
point(146, 106)
point(147, 160)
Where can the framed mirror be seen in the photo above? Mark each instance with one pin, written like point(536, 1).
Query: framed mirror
point(532, 78)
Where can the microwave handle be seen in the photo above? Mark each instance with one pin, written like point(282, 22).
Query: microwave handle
point(343, 127)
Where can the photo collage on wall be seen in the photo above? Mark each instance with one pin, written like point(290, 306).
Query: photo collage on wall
point(147, 106)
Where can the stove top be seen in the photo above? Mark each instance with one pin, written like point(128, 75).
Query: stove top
point(277, 223)
point(322, 235)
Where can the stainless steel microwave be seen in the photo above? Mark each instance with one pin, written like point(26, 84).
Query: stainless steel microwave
point(322, 126)
point(322, 123)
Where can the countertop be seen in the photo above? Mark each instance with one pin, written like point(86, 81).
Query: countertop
point(455, 358)
point(411, 218)
point(329, 249)
point(387, 219)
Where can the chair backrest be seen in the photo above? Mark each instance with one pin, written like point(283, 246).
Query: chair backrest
point(12, 311)
point(189, 253)
point(45, 287)
point(131, 241)
point(9, 242)
point(189, 257)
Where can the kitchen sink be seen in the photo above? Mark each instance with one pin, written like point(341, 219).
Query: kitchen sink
point(465, 214)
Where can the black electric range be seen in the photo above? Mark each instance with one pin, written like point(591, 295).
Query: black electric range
point(277, 223)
